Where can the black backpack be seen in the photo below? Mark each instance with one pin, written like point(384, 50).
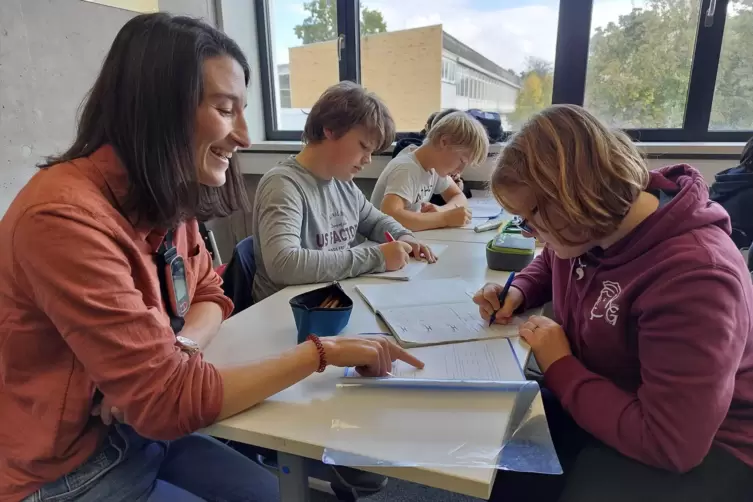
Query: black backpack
point(491, 122)
point(733, 189)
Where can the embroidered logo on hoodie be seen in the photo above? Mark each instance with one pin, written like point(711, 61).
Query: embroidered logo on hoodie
point(606, 306)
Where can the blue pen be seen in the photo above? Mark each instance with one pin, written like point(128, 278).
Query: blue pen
point(502, 296)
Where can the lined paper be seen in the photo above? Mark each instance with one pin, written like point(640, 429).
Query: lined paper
point(490, 360)
point(446, 323)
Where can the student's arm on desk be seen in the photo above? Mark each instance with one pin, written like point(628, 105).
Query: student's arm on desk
point(394, 205)
point(373, 223)
point(453, 196)
point(401, 188)
point(281, 209)
point(535, 281)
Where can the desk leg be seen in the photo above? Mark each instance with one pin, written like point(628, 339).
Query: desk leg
point(294, 479)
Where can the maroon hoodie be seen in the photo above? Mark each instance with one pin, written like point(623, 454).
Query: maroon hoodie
point(661, 331)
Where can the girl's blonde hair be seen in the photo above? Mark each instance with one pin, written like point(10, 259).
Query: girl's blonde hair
point(578, 169)
point(460, 130)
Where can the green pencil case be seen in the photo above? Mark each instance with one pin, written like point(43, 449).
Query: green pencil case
point(510, 251)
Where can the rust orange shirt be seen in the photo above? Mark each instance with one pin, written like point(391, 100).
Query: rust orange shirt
point(80, 308)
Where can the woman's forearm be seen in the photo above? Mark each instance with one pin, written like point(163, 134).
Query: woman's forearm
point(247, 385)
point(202, 323)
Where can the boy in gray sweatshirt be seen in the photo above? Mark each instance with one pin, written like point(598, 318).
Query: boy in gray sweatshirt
point(308, 211)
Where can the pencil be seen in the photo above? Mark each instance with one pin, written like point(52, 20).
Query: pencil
point(325, 302)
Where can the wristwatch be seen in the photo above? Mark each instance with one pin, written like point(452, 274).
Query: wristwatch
point(187, 345)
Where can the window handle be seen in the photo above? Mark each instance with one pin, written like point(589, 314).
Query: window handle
point(340, 46)
point(709, 21)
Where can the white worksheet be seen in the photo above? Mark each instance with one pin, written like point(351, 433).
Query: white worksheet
point(489, 360)
point(412, 269)
point(445, 323)
point(484, 207)
point(414, 293)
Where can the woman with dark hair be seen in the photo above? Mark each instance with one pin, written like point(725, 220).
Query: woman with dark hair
point(107, 293)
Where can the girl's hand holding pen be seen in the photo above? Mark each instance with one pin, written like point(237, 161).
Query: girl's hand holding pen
point(487, 299)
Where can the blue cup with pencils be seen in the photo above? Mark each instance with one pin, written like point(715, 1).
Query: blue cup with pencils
point(321, 312)
point(503, 296)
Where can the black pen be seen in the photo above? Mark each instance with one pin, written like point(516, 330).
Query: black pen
point(502, 296)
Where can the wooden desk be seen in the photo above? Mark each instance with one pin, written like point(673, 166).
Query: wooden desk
point(297, 422)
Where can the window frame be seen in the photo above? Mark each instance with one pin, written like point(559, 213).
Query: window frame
point(348, 30)
point(573, 32)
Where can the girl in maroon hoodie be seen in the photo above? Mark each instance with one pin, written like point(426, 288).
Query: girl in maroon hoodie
point(648, 360)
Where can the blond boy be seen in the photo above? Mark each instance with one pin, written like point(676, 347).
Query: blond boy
point(407, 183)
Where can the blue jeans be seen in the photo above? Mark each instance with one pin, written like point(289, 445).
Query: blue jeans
point(130, 468)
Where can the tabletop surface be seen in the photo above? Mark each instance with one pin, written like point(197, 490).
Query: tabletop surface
point(307, 417)
point(456, 235)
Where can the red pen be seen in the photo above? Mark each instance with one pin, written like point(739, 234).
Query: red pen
point(389, 238)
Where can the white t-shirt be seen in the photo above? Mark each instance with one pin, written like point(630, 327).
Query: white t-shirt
point(405, 177)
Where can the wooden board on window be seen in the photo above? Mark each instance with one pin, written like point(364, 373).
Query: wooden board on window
point(133, 5)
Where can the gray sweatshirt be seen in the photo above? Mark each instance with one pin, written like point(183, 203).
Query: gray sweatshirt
point(305, 228)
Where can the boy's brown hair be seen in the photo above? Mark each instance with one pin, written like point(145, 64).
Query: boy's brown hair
point(344, 106)
point(578, 169)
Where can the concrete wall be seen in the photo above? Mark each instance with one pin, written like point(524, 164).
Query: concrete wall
point(50, 53)
point(403, 67)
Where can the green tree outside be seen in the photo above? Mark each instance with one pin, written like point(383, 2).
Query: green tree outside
point(639, 67)
point(535, 92)
point(733, 101)
point(321, 23)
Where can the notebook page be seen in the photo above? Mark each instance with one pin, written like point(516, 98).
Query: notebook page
point(412, 269)
point(484, 207)
point(414, 293)
point(431, 324)
point(491, 360)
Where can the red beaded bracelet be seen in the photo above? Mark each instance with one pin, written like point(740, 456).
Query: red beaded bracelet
point(320, 349)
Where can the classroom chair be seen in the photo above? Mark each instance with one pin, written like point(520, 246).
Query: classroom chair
point(211, 244)
point(238, 276)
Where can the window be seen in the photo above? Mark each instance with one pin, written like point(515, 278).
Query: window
point(663, 70)
point(639, 63)
point(448, 70)
point(299, 61)
point(676, 81)
point(733, 95)
point(284, 86)
point(411, 58)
